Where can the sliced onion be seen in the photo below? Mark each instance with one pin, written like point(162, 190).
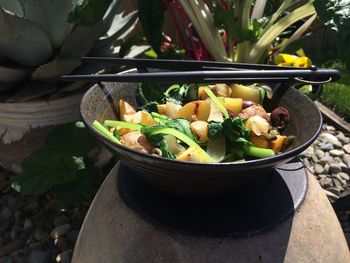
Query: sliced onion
point(173, 145)
point(216, 149)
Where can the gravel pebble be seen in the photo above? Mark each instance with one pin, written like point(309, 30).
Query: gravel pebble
point(334, 168)
point(318, 168)
point(60, 231)
point(336, 153)
point(60, 220)
point(344, 176)
point(40, 235)
point(346, 148)
point(40, 256)
point(319, 153)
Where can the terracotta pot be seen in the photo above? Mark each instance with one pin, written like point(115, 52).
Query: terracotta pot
point(25, 125)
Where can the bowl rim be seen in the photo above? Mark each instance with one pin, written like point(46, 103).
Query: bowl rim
point(256, 162)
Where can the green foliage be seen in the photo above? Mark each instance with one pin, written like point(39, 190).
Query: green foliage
point(151, 15)
point(61, 166)
point(88, 12)
point(337, 97)
point(336, 15)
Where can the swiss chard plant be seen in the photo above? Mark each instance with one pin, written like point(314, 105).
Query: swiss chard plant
point(245, 30)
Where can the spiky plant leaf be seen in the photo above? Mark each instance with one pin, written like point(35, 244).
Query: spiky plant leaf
point(53, 70)
point(13, 6)
point(119, 26)
point(22, 41)
point(81, 41)
point(88, 12)
point(51, 17)
point(13, 74)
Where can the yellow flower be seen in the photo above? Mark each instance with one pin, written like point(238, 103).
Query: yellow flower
point(303, 62)
point(285, 60)
point(292, 60)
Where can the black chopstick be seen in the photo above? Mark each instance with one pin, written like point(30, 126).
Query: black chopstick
point(179, 65)
point(214, 76)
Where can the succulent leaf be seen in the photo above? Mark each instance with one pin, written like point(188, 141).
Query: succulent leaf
point(51, 17)
point(22, 41)
point(88, 12)
point(53, 70)
point(12, 74)
point(13, 6)
point(119, 26)
point(81, 40)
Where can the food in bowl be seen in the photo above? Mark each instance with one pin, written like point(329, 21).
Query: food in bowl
point(200, 123)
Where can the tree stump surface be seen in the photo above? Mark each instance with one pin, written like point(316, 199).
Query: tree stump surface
point(113, 232)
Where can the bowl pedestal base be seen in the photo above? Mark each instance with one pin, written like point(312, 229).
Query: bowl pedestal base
point(291, 220)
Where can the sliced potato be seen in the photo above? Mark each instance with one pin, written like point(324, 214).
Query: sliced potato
point(194, 110)
point(161, 108)
point(277, 144)
point(125, 109)
point(193, 154)
point(200, 129)
point(259, 141)
point(245, 92)
point(144, 118)
point(234, 105)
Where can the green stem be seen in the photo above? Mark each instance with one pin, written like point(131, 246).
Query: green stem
point(216, 101)
point(102, 130)
point(259, 152)
point(123, 124)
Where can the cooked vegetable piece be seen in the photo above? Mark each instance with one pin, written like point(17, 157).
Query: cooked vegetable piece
point(278, 143)
point(257, 124)
point(137, 141)
point(194, 110)
point(233, 105)
point(253, 111)
point(259, 141)
point(194, 154)
point(141, 117)
point(101, 129)
point(245, 92)
point(200, 129)
point(216, 101)
point(217, 149)
point(125, 109)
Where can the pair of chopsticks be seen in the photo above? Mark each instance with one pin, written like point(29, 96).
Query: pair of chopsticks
point(192, 71)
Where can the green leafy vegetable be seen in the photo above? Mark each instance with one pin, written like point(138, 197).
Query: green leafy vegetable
point(215, 130)
point(148, 92)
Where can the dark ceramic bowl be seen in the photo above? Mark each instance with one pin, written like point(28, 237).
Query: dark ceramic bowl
point(199, 179)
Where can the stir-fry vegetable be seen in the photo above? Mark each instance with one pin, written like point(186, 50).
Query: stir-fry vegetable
point(213, 123)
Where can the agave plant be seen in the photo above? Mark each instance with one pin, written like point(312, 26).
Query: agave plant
point(43, 39)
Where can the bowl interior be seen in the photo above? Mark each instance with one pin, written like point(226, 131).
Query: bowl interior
point(199, 179)
point(101, 103)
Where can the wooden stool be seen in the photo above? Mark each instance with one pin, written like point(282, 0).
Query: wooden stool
point(113, 232)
